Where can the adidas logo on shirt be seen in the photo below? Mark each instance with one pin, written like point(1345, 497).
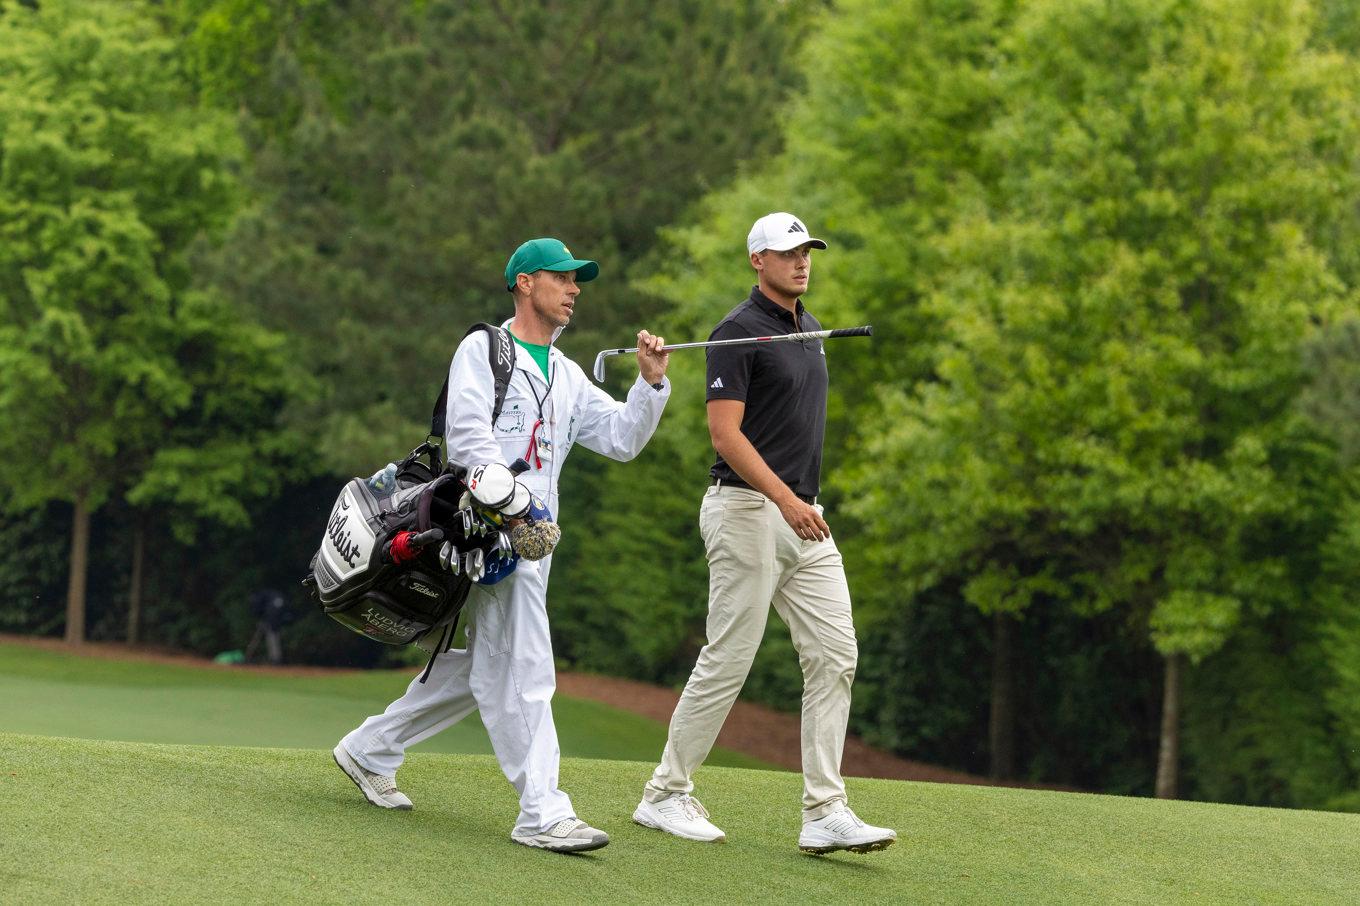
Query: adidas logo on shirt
point(716, 385)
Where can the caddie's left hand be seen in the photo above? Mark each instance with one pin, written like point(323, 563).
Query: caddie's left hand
point(652, 362)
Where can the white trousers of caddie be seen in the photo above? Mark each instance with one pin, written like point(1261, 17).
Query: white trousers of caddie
point(506, 673)
point(754, 560)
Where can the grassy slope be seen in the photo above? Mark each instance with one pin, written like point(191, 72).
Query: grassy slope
point(58, 694)
point(84, 821)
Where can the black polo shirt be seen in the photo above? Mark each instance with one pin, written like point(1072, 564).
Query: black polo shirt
point(782, 384)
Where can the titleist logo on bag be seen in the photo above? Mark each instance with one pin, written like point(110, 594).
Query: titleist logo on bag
point(349, 540)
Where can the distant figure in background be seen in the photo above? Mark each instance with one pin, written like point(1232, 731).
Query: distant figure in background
point(271, 613)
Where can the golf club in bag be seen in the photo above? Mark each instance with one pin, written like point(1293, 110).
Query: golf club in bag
point(865, 331)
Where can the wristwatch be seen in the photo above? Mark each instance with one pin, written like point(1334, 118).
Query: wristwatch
point(659, 386)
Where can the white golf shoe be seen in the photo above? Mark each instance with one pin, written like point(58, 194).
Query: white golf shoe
point(681, 815)
point(377, 789)
point(843, 830)
point(570, 835)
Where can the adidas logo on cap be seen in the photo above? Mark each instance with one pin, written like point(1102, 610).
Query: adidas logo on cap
point(779, 232)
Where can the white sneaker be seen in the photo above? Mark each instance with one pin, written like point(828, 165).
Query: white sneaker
point(681, 815)
point(842, 829)
point(377, 789)
point(570, 835)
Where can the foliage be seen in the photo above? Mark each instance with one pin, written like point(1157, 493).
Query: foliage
point(430, 139)
point(1109, 250)
point(1093, 239)
point(118, 375)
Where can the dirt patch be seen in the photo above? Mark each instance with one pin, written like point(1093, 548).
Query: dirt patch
point(756, 730)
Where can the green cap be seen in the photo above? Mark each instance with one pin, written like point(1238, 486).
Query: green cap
point(547, 255)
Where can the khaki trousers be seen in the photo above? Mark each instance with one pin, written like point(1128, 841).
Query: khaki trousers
point(755, 560)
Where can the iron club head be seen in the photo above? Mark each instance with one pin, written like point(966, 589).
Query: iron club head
point(599, 367)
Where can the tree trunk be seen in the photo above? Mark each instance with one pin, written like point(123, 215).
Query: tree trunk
point(1169, 753)
point(1001, 728)
point(134, 626)
point(80, 559)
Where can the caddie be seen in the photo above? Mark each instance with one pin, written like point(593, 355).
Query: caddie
point(506, 672)
point(768, 543)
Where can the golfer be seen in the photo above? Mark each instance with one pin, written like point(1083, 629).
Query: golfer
point(767, 543)
point(507, 670)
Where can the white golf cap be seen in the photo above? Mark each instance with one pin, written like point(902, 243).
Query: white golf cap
point(779, 232)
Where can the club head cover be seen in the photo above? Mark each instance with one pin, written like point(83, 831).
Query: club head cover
point(520, 503)
point(535, 540)
point(536, 537)
point(492, 485)
point(498, 568)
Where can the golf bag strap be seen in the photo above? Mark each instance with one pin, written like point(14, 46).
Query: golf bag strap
point(445, 643)
point(501, 358)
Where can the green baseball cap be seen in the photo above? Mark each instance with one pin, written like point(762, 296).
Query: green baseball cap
point(547, 255)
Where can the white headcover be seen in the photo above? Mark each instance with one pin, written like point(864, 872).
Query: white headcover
point(494, 487)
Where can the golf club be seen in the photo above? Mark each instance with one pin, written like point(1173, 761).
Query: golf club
point(865, 331)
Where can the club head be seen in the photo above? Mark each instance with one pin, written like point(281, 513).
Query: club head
point(598, 370)
point(448, 558)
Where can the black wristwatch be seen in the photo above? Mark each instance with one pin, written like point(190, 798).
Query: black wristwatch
point(659, 386)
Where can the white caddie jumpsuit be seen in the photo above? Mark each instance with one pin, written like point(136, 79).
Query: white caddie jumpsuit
point(506, 671)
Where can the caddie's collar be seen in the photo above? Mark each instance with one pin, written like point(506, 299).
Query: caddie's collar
point(774, 309)
point(552, 343)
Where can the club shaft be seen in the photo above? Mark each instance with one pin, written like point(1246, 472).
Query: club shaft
point(805, 335)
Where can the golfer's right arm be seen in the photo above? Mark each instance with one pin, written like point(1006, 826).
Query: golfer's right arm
point(724, 427)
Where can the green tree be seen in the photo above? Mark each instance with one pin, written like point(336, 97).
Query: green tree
point(431, 138)
point(1164, 221)
point(118, 376)
point(1093, 239)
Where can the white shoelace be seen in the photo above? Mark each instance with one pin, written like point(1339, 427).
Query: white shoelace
point(693, 809)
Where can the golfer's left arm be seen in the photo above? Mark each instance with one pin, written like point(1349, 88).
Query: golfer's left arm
point(620, 430)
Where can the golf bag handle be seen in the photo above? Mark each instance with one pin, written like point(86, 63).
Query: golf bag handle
point(429, 537)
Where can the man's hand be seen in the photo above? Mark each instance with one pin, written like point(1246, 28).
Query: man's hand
point(804, 519)
point(651, 361)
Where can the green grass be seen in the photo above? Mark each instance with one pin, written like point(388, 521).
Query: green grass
point(58, 694)
point(97, 822)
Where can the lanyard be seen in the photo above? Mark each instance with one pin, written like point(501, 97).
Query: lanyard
point(531, 454)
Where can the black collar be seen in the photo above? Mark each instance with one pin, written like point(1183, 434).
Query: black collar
point(774, 309)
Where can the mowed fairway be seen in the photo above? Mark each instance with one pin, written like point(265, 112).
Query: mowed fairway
point(59, 694)
point(98, 822)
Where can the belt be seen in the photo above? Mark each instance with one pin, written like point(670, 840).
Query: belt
point(738, 483)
